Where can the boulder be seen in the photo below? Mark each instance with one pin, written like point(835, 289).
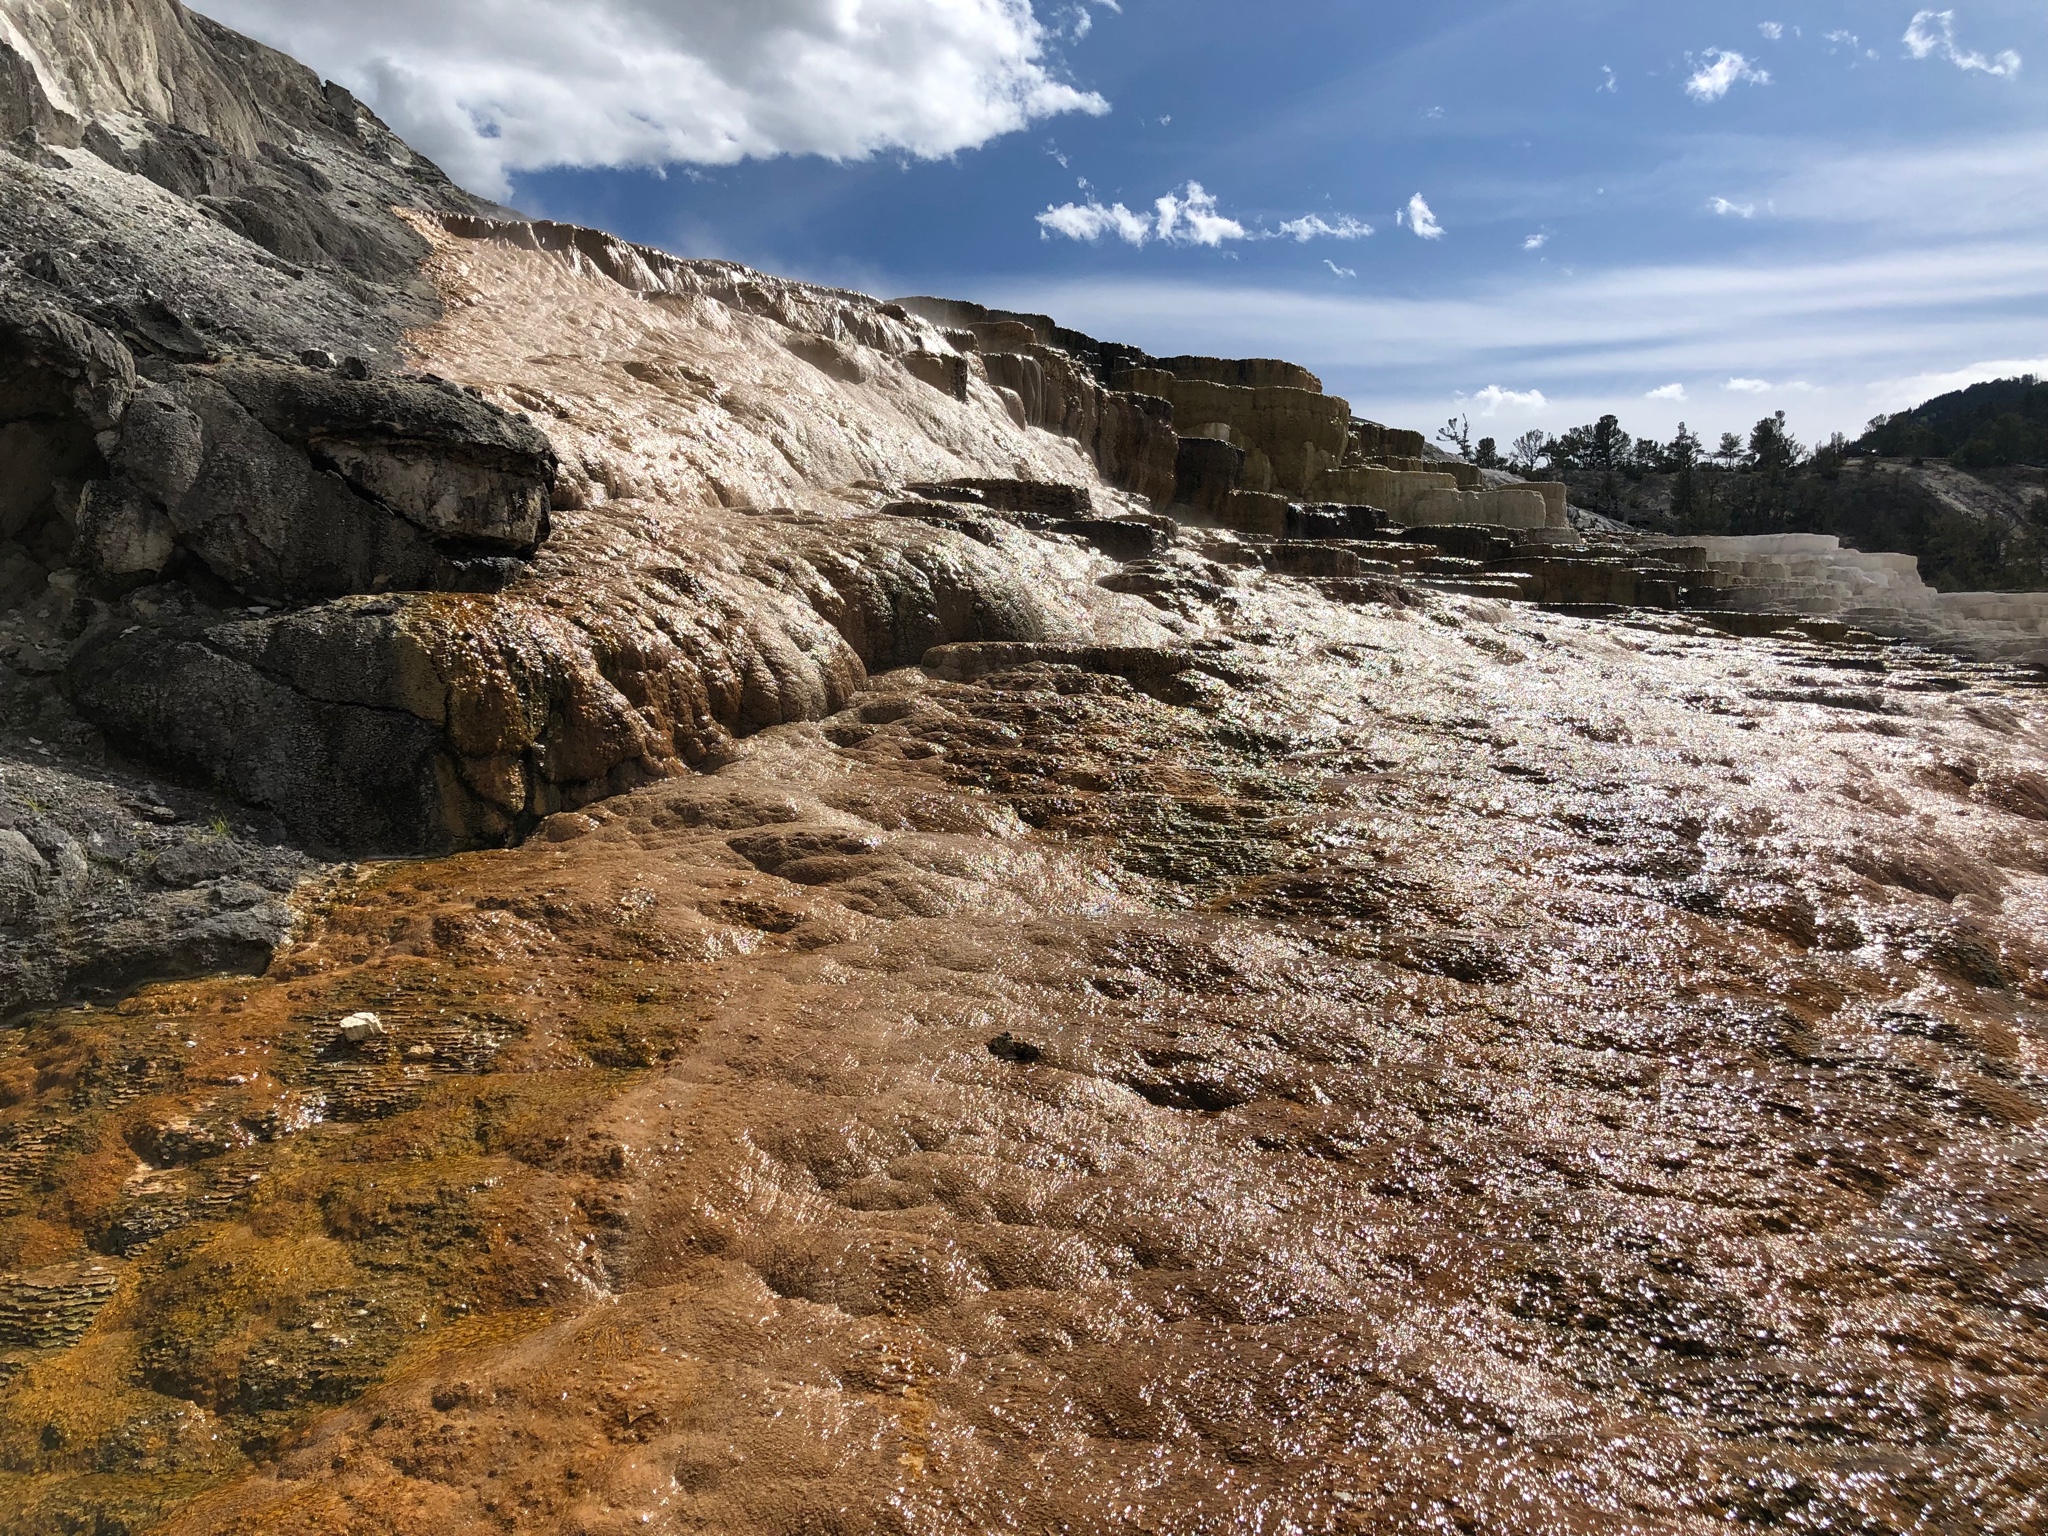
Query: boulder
point(289, 482)
point(442, 459)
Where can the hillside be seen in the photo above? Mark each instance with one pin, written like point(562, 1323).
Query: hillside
point(637, 896)
point(1985, 426)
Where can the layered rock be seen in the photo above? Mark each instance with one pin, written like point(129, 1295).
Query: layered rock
point(1289, 435)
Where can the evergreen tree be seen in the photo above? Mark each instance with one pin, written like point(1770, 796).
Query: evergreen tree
point(1772, 447)
point(1681, 458)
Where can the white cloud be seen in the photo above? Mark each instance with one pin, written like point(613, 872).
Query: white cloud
point(1933, 33)
point(1720, 71)
point(1418, 217)
point(1313, 227)
point(1667, 392)
point(1904, 394)
point(1774, 30)
point(494, 87)
point(1191, 219)
point(1535, 242)
point(1492, 400)
point(1186, 217)
point(1729, 210)
point(1340, 271)
point(1611, 84)
point(1090, 221)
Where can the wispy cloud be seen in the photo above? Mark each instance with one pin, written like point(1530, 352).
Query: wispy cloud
point(1340, 271)
point(1774, 30)
point(1932, 34)
point(1740, 386)
point(1667, 392)
point(1315, 227)
point(1720, 71)
point(1612, 84)
point(1536, 242)
point(1418, 217)
point(1586, 342)
point(1729, 210)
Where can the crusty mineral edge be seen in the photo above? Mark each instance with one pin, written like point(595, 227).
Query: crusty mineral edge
point(1452, 1068)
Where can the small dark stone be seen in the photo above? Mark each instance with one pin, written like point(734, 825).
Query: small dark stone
point(1007, 1047)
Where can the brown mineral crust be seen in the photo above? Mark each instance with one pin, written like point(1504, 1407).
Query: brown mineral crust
point(1463, 1070)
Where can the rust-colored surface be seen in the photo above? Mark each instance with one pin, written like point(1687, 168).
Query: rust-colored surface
point(1469, 1071)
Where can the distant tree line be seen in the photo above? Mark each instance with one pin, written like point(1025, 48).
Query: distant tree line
point(1770, 482)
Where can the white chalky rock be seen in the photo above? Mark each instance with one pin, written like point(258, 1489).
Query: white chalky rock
point(358, 1028)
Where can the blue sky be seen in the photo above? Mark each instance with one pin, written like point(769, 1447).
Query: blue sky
point(1831, 208)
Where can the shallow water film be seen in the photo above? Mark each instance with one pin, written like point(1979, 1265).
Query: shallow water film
point(1378, 1069)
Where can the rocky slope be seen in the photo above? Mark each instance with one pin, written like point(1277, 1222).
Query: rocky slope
point(1019, 935)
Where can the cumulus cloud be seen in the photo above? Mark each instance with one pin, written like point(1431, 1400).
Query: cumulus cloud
point(1729, 210)
point(1090, 221)
point(1535, 242)
point(1667, 392)
point(1933, 35)
point(1720, 71)
point(1774, 30)
point(1315, 227)
point(1190, 218)
point(1418, 217)
point(494, 87)
point(1492, 400)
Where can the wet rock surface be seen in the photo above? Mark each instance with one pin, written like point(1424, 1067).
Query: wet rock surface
point(1459, 1068)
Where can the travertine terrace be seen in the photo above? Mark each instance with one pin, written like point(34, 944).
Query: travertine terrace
point(838, 915)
